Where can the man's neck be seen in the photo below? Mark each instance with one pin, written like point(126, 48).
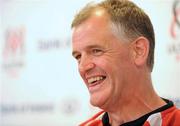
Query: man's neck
point(137, 107)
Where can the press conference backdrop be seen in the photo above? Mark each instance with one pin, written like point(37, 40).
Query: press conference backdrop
point(39, 81)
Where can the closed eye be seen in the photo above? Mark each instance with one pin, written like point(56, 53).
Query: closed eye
point(97, 52)
point(76, 55)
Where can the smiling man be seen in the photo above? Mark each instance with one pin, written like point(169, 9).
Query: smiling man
point(113, 43)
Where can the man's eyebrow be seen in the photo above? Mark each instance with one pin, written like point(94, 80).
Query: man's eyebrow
point(94, 46)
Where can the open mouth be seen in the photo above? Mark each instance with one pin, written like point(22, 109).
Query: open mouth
point(96, 80)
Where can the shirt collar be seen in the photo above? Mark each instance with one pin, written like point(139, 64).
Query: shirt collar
point(140, 121)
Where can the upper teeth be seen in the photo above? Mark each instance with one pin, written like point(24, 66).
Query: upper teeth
point(93, 79)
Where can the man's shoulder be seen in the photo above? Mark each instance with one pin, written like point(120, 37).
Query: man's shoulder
point(95, 120)
point(171, 116)
point(168, 117)
point(173, 111)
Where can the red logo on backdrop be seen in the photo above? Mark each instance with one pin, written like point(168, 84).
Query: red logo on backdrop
point(175, 25)
point(174, 48)
point(14, 42)
point(14, 50)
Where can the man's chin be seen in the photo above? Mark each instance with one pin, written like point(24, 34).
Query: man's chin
point(96, 102)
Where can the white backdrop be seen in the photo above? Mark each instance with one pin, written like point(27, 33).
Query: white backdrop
point(39, 82)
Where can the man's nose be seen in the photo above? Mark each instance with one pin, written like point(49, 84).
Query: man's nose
point(86, 64)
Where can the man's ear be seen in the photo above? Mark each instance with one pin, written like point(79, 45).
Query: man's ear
point(140, 48)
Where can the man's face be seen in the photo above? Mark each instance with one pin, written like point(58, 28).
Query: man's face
point(103, 60)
